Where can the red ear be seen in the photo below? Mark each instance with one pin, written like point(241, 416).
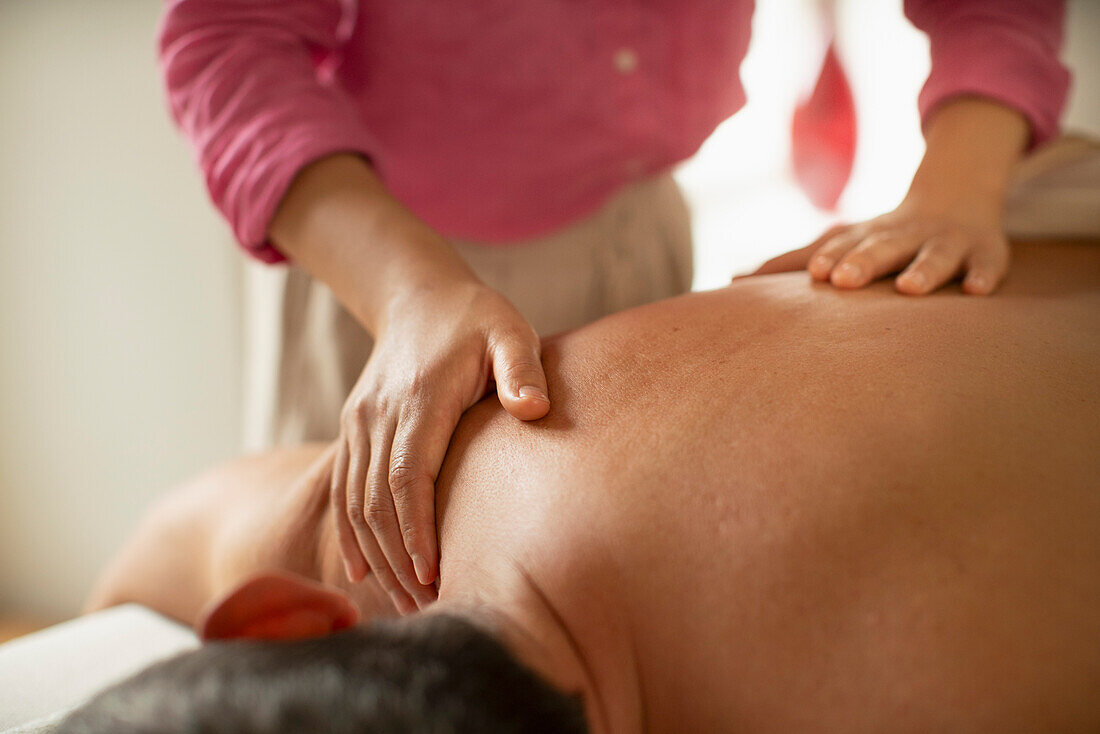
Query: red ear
point(277, 606)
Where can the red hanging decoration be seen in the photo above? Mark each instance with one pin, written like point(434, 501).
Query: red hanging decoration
point(823, 135)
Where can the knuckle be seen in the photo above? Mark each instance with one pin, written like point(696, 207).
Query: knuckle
point(355, 516)
point(420, 380)
point(379, 405)
point(484, 298)
point(514, 329)
point(521, 367)
point(927, 266)
point(355, 414)
point(354, 503)
point(949, 244)
point(376, 514)
point(360, 409)
point(881, 240)
point(404, 474)
point(940, 260)
point(347, 417)
point(857, 257)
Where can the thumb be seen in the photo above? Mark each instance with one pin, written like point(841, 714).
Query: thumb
point(521, 383)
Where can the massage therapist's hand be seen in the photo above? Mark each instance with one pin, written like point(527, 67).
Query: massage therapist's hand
point(949, 223)
point(440, 338)
point(435, 355)
point(930, 240)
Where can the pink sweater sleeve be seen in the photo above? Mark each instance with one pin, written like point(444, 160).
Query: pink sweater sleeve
point(1006, 50)
point(244, 87)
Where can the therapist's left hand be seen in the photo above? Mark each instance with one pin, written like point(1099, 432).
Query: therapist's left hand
point(930, 241)
point(949, 224)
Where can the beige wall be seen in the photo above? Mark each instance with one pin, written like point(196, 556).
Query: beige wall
point(118, 326)
point(1083, 55)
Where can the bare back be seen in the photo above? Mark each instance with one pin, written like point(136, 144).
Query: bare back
point(813, 508)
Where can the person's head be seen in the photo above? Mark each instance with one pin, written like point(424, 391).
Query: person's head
point(433, 673)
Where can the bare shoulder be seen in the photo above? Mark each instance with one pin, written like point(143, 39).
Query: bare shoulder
point(268, 509)
point(202, 537)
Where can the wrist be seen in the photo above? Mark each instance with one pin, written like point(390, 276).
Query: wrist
point(972, 145)
point(431, 292)
point(339, 223)
point(417, 272)
point(949, 179)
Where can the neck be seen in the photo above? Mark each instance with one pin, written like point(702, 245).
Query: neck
point(515, 609)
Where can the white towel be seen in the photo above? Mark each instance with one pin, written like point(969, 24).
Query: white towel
point(45, 675)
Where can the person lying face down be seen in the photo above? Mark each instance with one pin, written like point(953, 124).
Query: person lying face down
point(772, 507)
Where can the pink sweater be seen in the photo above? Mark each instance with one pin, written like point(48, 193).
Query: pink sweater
point(497, 120)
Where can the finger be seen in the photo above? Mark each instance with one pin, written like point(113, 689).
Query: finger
point(939, 260)
point(354, 501)
point(385, 576)
point(417, 454)
point(986, 269)
point(785, 263)
point(355, 565)
point(517, 369)
point(830, 253)
point(356, 513)
point(879, 254)
point(382, 520)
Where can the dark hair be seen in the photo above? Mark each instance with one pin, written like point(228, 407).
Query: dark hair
point(425, 675)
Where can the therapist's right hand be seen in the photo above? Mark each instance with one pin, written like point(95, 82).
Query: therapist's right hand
point(438, 350)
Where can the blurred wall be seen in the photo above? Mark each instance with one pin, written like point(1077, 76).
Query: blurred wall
point(1082, 53)
point(118, 287)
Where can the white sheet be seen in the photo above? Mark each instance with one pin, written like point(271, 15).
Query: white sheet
point(45, 675)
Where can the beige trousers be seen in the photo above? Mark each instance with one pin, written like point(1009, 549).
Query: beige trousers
point(305, 352)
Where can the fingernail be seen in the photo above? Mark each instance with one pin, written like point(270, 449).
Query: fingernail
point(421, 568)
point(848, 272)
point(535, 393)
